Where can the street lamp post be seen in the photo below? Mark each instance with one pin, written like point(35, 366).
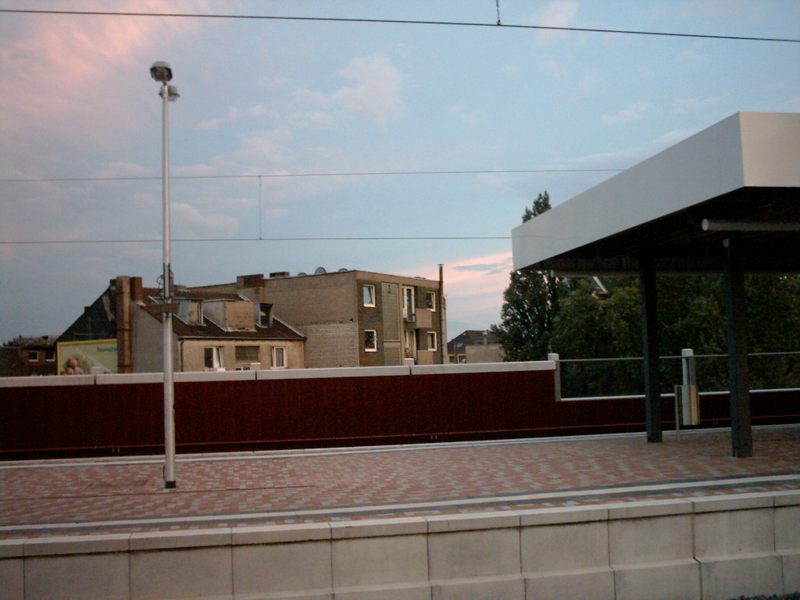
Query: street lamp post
point(161, 72)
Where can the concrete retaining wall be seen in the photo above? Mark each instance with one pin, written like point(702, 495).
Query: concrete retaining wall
point(710, 548)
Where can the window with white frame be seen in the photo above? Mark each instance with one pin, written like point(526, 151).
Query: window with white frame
point(50, 355)
point(370, 340)
point(431, 335)
point(368, 295)
point(430, 300)
point(212, 357)
point(278, 357)
point(33, 356)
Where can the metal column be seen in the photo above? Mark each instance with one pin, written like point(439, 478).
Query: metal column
point(652, 389)
point(741, 432)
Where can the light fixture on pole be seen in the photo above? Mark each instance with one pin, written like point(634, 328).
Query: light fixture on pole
point(161, 72)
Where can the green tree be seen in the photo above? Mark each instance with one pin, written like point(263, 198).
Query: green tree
point(530, 305)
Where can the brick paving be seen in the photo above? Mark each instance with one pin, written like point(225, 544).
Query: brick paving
point(79, 497)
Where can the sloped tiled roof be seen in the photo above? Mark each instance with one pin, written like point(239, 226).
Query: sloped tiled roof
point(210, 330)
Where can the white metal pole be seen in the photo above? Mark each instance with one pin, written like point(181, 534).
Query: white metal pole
point(169, 397)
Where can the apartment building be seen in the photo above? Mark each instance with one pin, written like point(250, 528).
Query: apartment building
point(355, 318)
point(212, 331)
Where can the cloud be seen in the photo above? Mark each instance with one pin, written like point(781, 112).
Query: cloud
point(235, 113)
point(64, 72)
point(375, 91)
point(550, 65)
point(559, 13)
point(686, 105)
point(474, 288)
point(463, 114)
point(629, 114)
point(189, 221)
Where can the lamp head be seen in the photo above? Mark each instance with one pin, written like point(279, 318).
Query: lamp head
point(161, 71)
point(172, 93)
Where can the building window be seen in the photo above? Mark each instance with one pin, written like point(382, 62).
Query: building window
point(278, 357)
point(33, 356)
point(263, 314)
point(431, 335)
point(246, 353)
point(430, 300)
point(50, 355)
point(368, 295)
point(408, 304)
point(190, 311)
point(212, 357)
point(370, 340)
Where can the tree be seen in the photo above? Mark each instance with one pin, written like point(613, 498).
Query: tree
point(530, 305)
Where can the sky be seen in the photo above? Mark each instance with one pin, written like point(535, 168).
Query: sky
point(287, 130)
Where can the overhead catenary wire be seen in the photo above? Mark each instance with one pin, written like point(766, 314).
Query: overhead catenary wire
point(260, 239)
point(418, 22)
point(261, 176)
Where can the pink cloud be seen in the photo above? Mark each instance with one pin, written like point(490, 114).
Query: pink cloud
point(63, 72)
point(474, 287)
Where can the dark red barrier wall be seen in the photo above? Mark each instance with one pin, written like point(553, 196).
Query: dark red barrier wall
point(283, 413)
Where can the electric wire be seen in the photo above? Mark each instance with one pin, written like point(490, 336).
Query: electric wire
point(260, 176)
point(259, 239)
point(475, 24)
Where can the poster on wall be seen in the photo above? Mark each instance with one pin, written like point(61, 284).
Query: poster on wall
point(78, 358)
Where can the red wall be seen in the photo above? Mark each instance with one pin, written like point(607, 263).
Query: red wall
point(73, 420)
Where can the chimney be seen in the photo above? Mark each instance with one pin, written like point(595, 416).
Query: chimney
point(124, 318)
point(250, 281)
point(137, 291)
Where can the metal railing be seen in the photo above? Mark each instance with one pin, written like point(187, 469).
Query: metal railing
point(623, 376)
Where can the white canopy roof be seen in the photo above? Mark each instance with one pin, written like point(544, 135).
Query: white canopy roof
point(744, 167)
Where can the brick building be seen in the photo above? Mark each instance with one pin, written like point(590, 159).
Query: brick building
point(24, 356)
point(355, 318)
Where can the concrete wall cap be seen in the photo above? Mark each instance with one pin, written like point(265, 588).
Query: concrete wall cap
point(378, 528)
point(787, 498)
point(13, 548)
point(279, 534)
point(77, 544)
point(46, 381)
point(648, 508)
point(472, 522)
point(166, 540)
point(562, 515)
point(504, 367)
point(200, 376)
point(332, 372)
point(128, 378)
point(734, 502)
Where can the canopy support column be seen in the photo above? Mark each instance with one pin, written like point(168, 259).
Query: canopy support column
point(652, 388)
point(735, 302)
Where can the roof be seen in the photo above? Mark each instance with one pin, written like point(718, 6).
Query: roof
point(192, 294)
point(472, 337)
point(210, 330)
point(744, 169)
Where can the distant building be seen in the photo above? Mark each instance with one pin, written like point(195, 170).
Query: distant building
point(24, 356)
point(122, 332)
point(355, 318)
point(475, 346)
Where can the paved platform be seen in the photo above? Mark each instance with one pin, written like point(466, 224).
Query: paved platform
point(74, 497)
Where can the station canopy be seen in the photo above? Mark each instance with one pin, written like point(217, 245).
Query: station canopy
point(739, 177)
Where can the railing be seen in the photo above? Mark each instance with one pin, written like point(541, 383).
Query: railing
point(603, 377)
